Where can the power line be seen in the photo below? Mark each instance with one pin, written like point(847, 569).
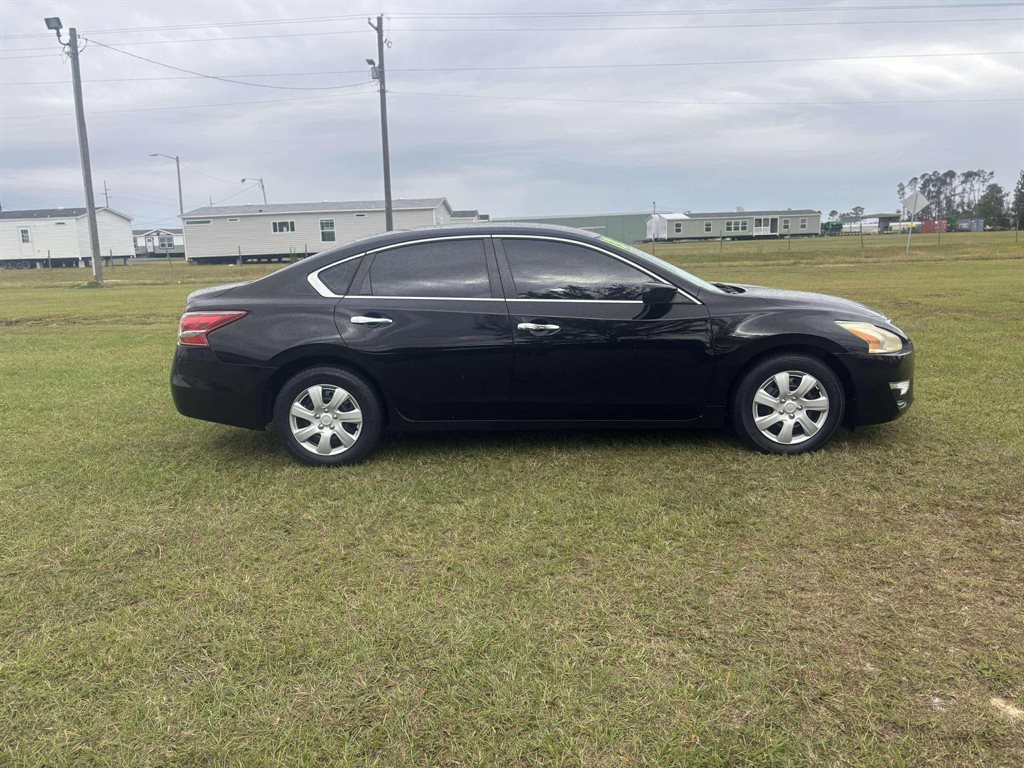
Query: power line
point(173, 108)
point(201, 173)
point(757, 25)
point(700, 11)
point(223, 79)
point(550, 14)
point(648, 102)
point(539, 67)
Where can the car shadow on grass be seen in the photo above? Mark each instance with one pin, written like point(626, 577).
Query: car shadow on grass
point(247, 446)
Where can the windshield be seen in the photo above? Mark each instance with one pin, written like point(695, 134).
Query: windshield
point(648, 260)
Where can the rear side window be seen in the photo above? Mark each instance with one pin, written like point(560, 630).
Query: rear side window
point(445, 269)
point(339, 277)
point(544, 269)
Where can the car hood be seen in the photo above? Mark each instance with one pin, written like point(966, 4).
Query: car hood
point(805, 299)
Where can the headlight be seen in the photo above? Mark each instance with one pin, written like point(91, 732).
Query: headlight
point(879, 340)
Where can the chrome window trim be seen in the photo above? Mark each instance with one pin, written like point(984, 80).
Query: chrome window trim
point(314, 280)
point(585, 301)
point(599, 249)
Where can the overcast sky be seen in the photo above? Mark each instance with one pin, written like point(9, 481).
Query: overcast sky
point(513, 114)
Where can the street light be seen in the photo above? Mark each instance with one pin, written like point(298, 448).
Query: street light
point(262, 188)
point(177, 164)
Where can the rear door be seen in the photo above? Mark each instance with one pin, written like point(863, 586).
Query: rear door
point(429, 318)
point(586, 345)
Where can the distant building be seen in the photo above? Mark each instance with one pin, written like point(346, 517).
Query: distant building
point(868, 223)
point(468, 216)
point(733, 224)
point(276, 232)
point(60, 237)
point(162, 242)
point(933, 226)
point(625, 227)
point(970, 225)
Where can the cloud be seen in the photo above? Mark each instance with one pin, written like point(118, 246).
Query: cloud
point(561, 134)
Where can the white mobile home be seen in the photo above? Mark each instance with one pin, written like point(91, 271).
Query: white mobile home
point(162, 242)
point(276, 232)
point(733, 224)
point(60, 237)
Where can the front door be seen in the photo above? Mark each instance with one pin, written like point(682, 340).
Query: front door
point(429, 319)
point(587, 347)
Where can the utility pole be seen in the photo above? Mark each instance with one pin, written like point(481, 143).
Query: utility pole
point(177, 165)
point(53, 23)
point(106, 194)
point(262, 188)
point(378, 75)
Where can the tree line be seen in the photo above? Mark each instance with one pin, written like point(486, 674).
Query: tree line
point(966, 195)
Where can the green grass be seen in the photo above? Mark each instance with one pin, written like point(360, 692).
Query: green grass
point(176, 592)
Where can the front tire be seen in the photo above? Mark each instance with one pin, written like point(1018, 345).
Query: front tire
point(788, 404)
point(328, 417)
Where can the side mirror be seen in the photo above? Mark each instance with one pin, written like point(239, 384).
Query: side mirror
point(658, 293)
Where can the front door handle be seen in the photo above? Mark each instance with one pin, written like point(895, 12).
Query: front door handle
point(363, 320)
point(538, 327)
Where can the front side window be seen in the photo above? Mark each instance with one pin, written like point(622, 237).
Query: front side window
point(166, 241)
point(444, 269)
point(284, 226)
point(326, 230)
point(25, 236)
point(545, 269)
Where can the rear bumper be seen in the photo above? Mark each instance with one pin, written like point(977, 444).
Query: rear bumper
point(205, 388)
point(878, 383)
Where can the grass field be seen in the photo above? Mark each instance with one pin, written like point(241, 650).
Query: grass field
point(177, 592)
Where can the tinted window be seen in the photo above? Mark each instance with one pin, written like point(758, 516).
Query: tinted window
point(446, 268)
point(544, 269)
point(339, 277)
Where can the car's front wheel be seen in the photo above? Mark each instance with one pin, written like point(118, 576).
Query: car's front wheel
point(788, 404)
point(328, 417)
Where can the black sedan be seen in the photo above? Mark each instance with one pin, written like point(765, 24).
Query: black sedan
point(519, 326)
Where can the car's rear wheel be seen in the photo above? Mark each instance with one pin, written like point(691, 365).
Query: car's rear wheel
point(788, 404)
point(328, 417)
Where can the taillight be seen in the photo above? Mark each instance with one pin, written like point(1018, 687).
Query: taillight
point(195, 326)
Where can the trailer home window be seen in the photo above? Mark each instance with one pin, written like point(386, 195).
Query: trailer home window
point(736, 225)
point(785, 223)
point(678, 227)
point(197, 221)
point(707, 227)
point(25, 236)
point(803, 223)
point(165, 241)
point(326, 230)
point(284, 226)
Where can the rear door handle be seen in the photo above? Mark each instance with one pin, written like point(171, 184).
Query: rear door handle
point(363, 320)
point(538, 327)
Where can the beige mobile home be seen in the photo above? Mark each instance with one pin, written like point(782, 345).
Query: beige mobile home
point(276, 232)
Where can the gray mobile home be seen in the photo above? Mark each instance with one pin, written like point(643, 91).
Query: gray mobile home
point(733, 224)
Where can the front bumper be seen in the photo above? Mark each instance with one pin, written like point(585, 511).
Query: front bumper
point(871, 378)
point(205, 388)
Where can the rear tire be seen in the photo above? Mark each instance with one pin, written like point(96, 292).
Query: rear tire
point(328, 417)
point(788, 404)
